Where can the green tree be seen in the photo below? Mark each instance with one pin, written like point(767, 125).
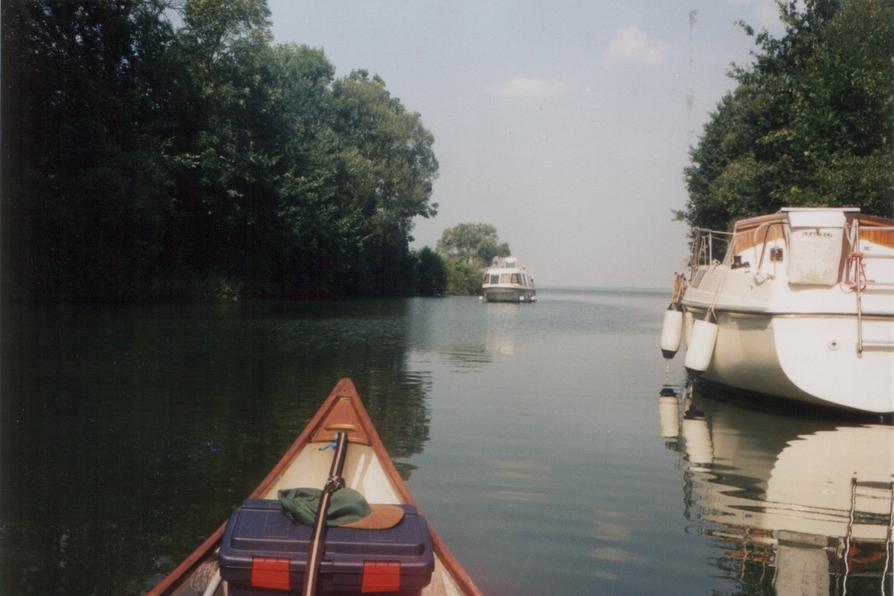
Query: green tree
point(477, 243)
point(810, 123)
point(431, 273)
point(467, 249)
point(386, 170)
point(316, 234)
point(87, 99)
point(463, 277)
point(227, 148)
point(143, 158)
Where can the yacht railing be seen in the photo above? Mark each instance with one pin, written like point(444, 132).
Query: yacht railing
point(705, 243)
point(759, 276)
point(855, 274)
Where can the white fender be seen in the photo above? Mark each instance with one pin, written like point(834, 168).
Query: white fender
point(669, 416)
point(671, 332)
point(699, 446)
point(701, 347)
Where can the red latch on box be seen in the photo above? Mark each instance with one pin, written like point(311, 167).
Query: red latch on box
point(270, 573)
point(380, 576)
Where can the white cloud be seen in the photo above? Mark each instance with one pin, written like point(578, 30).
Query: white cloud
point(630, 44)
point(530, 87)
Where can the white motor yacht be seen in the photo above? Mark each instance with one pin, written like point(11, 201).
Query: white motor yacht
point(505, 281)
point(800, 307)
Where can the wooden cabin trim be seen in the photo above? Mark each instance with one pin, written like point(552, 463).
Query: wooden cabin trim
point(743, 240)
point(872, 220)
point(366, 435)
point(750, 232)
point(754, 222)
point(881, 237)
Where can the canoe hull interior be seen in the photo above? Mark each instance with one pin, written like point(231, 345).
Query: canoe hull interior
point(368, 469)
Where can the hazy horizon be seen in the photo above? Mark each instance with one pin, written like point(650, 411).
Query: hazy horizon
point(565, 124)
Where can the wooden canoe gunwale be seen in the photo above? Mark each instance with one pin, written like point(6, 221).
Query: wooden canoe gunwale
point(343, 389)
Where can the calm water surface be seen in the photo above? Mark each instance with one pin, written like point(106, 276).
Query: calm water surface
point(533, 436)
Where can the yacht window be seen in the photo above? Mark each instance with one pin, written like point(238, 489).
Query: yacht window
point(515, 279)
point(494, 278)
point(504, 278)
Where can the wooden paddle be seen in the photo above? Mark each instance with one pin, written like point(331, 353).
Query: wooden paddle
point(335, 482)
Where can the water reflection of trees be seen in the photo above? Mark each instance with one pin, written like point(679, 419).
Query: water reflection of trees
point(156, 421)
point(792, 499)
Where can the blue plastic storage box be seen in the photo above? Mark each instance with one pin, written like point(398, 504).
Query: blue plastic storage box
point(264, 552)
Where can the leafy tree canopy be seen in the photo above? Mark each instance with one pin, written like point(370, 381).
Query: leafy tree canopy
point(467, 248)
point(431, 272)
point(151, 157)
point(810, 122)
point(476, 242)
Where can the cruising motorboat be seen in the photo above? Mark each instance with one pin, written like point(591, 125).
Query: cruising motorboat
point(800, 307)
point(505, 281)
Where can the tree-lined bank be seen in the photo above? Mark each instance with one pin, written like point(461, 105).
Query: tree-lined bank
point(156, 154)
point(467, 249)
point(810, 122)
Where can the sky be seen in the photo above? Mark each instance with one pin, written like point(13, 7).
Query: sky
point(565, 124)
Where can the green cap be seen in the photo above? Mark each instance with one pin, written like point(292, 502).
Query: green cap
point(346, 505)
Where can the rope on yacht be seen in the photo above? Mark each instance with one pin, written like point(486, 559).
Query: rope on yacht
point(679, 288)
point(855, 277)
point(855, 261)
point(856, 268)
point(731, 236)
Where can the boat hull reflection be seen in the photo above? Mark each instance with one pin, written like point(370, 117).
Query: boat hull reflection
point(796, 505)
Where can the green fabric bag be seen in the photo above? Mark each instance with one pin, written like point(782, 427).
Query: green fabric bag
point(345, 507)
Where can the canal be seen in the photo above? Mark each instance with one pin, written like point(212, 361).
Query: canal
point(535, 438)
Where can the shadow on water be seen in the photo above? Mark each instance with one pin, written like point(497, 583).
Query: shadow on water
point(134, 430)
point(792, 503)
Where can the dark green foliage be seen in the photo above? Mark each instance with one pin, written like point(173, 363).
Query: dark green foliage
point(142, 159)
point(431, 273)
point(463, 277)
point(85, 192)
point(467, 249)
point(809, 124)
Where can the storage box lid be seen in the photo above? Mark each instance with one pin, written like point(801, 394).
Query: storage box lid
point(260, 529)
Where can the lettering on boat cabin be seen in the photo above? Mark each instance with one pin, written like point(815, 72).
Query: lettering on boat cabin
point(815, 256)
